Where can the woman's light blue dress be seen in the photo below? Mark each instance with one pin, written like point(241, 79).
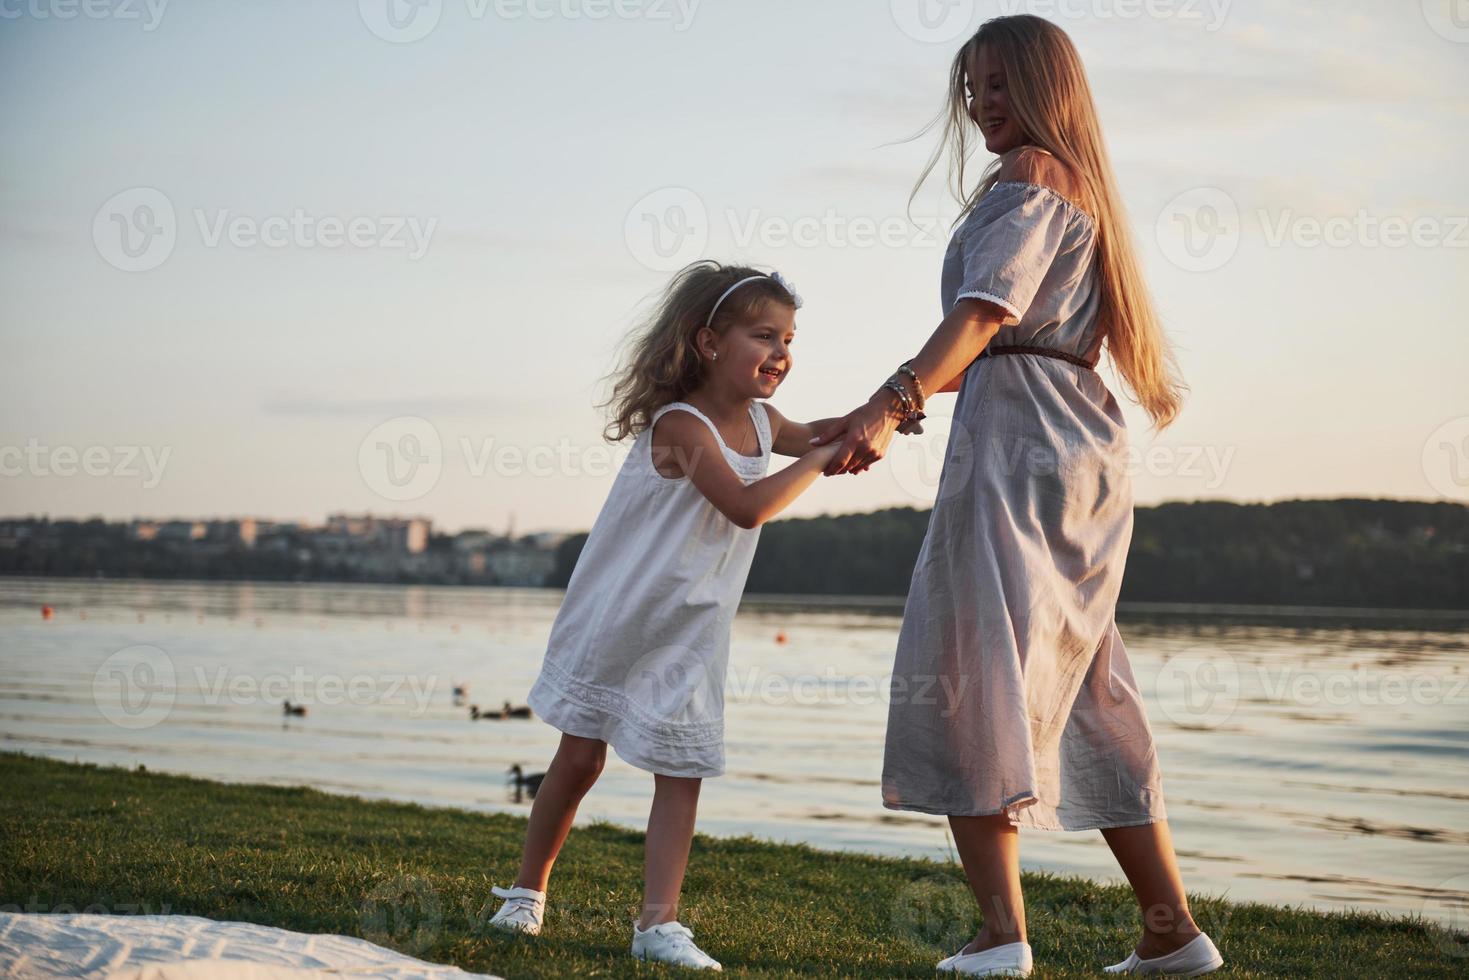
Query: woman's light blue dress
point(1011, 688)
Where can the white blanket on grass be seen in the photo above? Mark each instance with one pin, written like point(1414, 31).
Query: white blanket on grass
point(190, 947)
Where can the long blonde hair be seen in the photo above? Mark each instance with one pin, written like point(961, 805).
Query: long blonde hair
point(661, 362)
point(1051, 100)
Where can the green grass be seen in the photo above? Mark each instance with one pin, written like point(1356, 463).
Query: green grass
point(417, 879)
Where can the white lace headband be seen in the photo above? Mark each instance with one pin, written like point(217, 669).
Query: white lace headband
point(780, 279)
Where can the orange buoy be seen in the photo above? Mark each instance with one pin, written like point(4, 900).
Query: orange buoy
point(780, 637)
point(47, 612)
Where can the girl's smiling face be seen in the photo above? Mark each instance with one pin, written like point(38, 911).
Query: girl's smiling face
point(754, 357)
point(989, 102)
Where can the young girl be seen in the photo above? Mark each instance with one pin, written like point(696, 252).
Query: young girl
point(637, 653)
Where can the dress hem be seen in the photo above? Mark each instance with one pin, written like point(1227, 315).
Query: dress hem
point(551, 714)
point(1014, 816)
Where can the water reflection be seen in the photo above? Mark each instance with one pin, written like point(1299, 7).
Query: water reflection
point(1314, 757)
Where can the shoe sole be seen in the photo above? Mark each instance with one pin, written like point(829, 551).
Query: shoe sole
point(682, 966)
point(1197, 972)
point(516, 930)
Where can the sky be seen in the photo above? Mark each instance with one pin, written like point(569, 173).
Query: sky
point(294, 257)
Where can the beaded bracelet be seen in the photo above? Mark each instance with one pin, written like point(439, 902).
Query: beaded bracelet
point(907, 368)
point(909, 425)
point(903, 398)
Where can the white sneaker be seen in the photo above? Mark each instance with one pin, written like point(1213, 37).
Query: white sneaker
point(1009, 960)
point(671, 942)
point(523, 911)
point(1199, 956)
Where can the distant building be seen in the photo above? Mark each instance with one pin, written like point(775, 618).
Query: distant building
point(180, 531)
point(12, 533)
point(469, 541)
point(400, 535)
point(242, 531)
point(521, 566)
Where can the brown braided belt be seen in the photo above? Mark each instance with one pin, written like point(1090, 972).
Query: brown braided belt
point(1043, 351)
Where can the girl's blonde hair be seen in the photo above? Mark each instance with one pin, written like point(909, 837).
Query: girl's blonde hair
point(1051, 100)
point(662, 363)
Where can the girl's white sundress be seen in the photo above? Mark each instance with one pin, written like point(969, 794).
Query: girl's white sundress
point(639, 648)
point(1012, 691)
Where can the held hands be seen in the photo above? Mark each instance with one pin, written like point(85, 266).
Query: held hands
point(867, 430)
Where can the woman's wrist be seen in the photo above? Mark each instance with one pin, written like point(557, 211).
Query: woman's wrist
point(907, 412)
point(888, 401)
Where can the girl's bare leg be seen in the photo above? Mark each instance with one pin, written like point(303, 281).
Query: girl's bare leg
point(572, 772)
point(666, 857)
point(1146, 856)
point(989, 847)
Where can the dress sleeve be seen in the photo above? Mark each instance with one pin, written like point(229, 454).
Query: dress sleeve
point(1009, 243)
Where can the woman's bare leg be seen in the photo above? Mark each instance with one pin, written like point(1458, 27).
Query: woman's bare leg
point(1146, 855)
point(572, 773)
point(666, 855)
point(989, 847)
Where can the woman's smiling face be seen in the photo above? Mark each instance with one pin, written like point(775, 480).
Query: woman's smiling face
point(989, 102)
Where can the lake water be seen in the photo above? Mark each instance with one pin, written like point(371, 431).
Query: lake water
point(1311, 757)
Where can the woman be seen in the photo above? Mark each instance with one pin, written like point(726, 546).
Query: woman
point(1013, 702)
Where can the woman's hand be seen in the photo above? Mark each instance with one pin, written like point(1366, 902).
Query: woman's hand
point(953, 347)
point(868, 430)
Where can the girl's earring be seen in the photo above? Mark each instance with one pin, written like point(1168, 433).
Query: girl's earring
point(714, 356)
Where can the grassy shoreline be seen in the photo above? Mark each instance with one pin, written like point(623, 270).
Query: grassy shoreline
point(82, 837)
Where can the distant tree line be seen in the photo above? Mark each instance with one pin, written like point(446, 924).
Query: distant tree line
point(1348, 552)
point(96, 548)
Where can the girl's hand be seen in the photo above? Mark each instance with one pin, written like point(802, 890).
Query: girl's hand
point(867, 430)
point(825, 454)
